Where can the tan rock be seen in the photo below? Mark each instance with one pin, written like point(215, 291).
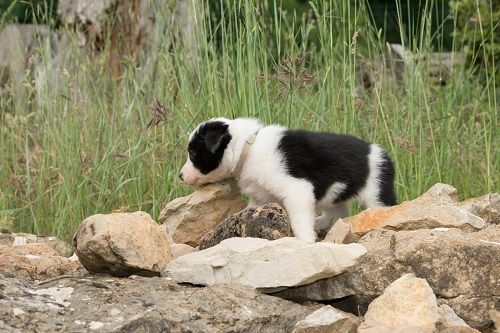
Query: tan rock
point(188, 219)
point(34, 261)
point(340, 233)
point(407, 304)
point(327, 319)
point(434, 209)
point(449, 322)
point(17, 239)
point(487, 207)
point(122, 244)
point(459, 266)
point(178, 250)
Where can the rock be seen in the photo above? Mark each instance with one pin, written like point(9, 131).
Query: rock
point(178, 250)
point(263, 264)
point(269, 221)
point(449, 322)
point(34, 261)
point(340, 233)
point(122, 244)
point(435, 209)
point(326, 320)
point(495, 318)
point(17, 239)
point(142, 305)
point(487, 207)
point(408, 304)
point(460, 267)
point(340, 286)
point(188, 219)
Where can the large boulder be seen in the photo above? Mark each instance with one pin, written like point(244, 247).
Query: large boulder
point(103, 304)
point(122, 244)
point(269, 221)
point(188, 219)
point(460, 267)
point(437, 208)
point(17, 239)
point(326, 320)
point(34, 261)
point(263, 264)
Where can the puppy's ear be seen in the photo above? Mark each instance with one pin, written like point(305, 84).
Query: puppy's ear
point(217, 137)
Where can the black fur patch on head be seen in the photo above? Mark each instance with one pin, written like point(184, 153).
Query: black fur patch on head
point(207, 145)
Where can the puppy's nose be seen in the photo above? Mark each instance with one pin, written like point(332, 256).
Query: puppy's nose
point(180, 176)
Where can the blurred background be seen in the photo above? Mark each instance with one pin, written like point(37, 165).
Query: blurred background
point(97, 97)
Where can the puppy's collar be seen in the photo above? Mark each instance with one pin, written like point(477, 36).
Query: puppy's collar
point(244, 155)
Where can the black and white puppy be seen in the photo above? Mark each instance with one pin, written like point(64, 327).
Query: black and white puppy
point(303, 171)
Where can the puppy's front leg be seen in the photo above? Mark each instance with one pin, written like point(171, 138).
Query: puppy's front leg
point(300, 206)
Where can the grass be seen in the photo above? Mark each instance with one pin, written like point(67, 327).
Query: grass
point(82, 143)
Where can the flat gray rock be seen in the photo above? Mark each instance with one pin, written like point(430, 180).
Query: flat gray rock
point(263, 264)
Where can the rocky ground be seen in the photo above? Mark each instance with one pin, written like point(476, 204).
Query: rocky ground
point(426, 265)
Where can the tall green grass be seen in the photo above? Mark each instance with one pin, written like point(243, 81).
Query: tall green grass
point(81, 145)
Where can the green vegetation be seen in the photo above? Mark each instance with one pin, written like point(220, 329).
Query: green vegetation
point(82, 145)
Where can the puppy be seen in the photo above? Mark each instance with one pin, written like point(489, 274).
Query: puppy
point(303, 171)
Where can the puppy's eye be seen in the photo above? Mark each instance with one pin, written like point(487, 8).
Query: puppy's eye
point(192, 154)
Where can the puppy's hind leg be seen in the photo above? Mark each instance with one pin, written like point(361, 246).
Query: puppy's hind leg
point(300, 206)
point(330, 216)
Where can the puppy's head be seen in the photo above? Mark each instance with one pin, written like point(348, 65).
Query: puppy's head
point(206, 148)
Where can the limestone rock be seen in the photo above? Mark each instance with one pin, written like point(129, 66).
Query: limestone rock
point(487, 207)
point(269, 221)
point(188, 219)
point(122, 244)
point(34, 261)
point(17, 239)
point(263, 264)
point(340, 233)
point(178, 250)
point(460, 267)
point(449, 322)
point(345, 284)
point(326, 320)
point(435, 209)
point(407, 304)
point(100, 304)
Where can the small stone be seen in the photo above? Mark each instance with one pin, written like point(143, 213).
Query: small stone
point(122, 244)
point(340, 233)
point(487, 207)
point(178, 250)
point(327, 319)
point(449, 322)
point(17, 312)
point(188, 219)
point(95, 325)
point(408, 304)
point(263, 264)
point(269, 222)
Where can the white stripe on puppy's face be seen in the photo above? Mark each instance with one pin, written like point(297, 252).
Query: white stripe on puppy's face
point(190, 175)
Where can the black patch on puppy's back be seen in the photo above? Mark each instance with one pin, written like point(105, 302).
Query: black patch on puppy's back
point(326, 158)
point(206, 147)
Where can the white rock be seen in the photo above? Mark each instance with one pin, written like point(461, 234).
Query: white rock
point(260, 263)
point(56, 295)
point(95, 325)
point(17, 312)
point(326, 320)
point(407, 305)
